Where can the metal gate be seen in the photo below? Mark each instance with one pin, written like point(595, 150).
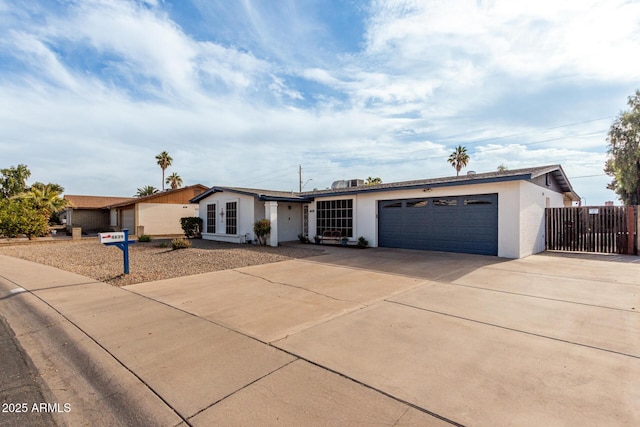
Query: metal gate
point(604, 229)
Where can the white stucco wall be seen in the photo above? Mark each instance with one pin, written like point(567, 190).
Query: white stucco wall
point(533, 201)
point(163, 218)
point(246, 216)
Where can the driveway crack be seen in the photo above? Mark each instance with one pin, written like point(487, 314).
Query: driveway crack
point(300, 287)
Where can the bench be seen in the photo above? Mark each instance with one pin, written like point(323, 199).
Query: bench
point(333, 236)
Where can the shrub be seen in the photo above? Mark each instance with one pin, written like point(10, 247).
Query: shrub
point(21, 217)
point(144, 238)
point(192, 226)
point(362, 242)
point(261, 229)
point(303, 238)
point(181, 243)
point(163, 245)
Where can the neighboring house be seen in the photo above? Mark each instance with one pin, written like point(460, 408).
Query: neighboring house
point(157, 214)
point(496, 213)
point(91, 213)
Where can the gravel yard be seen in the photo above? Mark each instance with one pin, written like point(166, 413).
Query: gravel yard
point(149, 261)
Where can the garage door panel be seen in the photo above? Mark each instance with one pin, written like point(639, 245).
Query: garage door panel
point(466, 224)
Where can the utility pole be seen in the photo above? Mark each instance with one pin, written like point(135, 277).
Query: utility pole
point(300, 176)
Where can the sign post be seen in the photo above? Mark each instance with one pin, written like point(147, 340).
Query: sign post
point(121, 241)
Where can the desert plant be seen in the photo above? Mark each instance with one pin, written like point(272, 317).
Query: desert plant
point(362, 242)
point(144, 238)
point(192, 226)
point(163, 245)
point(180, 243)
point(262, 228)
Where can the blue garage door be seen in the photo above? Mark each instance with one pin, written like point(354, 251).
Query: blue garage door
point(467, 224)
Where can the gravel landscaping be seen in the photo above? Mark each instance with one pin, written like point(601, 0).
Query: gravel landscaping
point(150, 261)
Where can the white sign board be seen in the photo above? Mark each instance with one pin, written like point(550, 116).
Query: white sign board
point(594, 211)
point(111, 237)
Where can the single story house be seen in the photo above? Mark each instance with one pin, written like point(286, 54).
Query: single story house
point(495, 213)
point(158, 214)
point(90, 213)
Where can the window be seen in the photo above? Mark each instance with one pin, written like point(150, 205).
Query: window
point(335, 215)
point(417, 203)
point(445, 202)
point(476, 202)
point(305, 221)
point(232, 217)
point(393, 205)
point(211, 218)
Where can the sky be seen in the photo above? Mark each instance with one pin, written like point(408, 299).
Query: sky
point(244, 93)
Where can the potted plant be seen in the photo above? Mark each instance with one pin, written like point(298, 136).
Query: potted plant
point(317, 239)
point(344, 241)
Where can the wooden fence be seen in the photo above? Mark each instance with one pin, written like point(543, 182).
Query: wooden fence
point(604, 229)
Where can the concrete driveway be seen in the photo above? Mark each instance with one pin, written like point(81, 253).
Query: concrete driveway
point(378, 336)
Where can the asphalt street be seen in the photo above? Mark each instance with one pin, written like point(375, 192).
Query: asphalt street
point(21, 392)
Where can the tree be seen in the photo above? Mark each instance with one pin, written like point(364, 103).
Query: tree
point(147, 190)
point(459, 158)
point(164, 161)
point(45, 198)
point(373, 181)
point(174, 181)
point(502, 168)
point(13, 181)
point(624, 153)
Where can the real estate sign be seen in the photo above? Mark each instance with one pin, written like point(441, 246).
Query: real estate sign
point(111, 237)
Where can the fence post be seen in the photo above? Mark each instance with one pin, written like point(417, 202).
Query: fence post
point(637, 209)
point(631, 230)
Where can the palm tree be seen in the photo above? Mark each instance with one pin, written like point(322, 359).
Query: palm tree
point(164, 160)
point(502, 168)
point(45, 197)
point(174, 181)
point(459, 158)
point(147, 190)
point(373, 181)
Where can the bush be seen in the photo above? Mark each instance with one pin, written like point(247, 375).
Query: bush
point(192, 226)
point(303, 238)
point(181, 243)
point(362, 242)
point(21, 217)
point(261, 229)
point(144, 238)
